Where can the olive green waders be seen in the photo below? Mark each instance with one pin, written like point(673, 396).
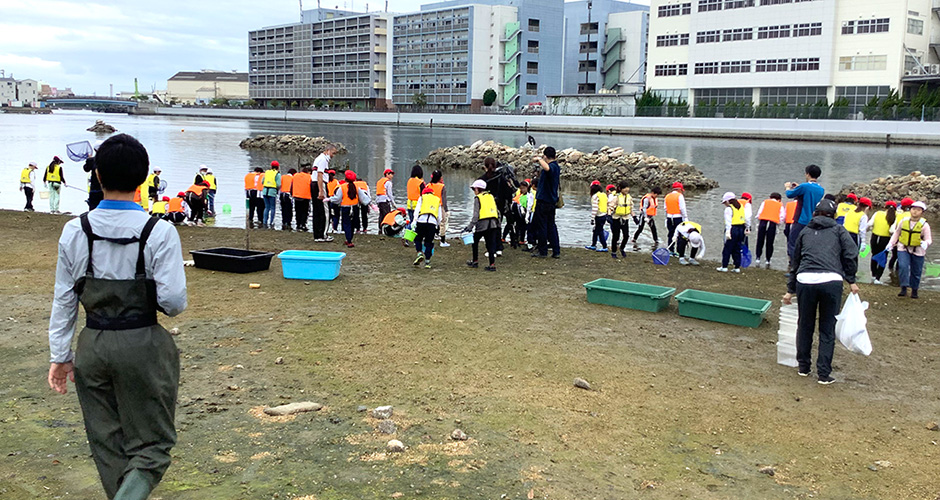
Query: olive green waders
point(126, 376)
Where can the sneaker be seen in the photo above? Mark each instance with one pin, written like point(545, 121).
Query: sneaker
point(623, 253)
point(536, 255)
point(499, 253)
point(444, 244)
point(876, 281)
point(767, 264)
point(683, 261)
point(802, 373)
point(903, 292)
point(722, 269)
point(736, 270)
point(490, 268)
point(554, 256)
point(419, 259)
point(674, 254)
point(472, 263)
point(614, 255)
point(693, 262)
point(757, 262)
point(590, 247)
point(319, 240)
point(825, 380)
point(349, 244)
point(427, 265)
point(328, 239)
point(602, 250)
point(405, 243)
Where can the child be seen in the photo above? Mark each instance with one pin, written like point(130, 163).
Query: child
point(598, 217)
point(770, 215)
point(383, 195)
point(287, 203)
point(735, 224)
point(176, 209)
point(331, 186)
point(516, 218)
point(251, 192)
point(361, 213)
point(414, 188)
point(429, 212)
point(689, 234)
point(196, 199)
point(301, 190)
point(880, 225)
point(912, 237)
point(348, 196)
point(621, 209)
point(440, 190)
point(393, 223)
point(843, 208)
point(53, 179)
point(675, 209)
point(856, 222)
point(159, 207)
point(648, 205)
point(485, 224)
point(791, 217)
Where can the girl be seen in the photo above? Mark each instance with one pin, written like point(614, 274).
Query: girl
point(437, 186)
point(54, 178)
point(912, 238)
point(880, 225)
point(845, 207)
point(598, 217)
point(429, 210)
point(415, 187)
point(517, 216)
point(856, 222)
point(621, 209)
point(735, 223)
point(485, 224)
point(347, 196)
point(770, 215)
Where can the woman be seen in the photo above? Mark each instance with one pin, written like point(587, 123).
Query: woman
point(735, 225)
point(621, 209)
point(911, 238)
point(484, 225)
point(348, 196)
point(880, 225)
point(54, 179)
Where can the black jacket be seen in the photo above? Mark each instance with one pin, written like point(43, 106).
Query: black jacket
point(823, 246)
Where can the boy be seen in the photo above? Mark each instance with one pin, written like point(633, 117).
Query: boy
point(770, 215)
point(126, 366)
point(648, 205)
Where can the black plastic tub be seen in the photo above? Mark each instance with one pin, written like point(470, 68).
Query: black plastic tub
point(232, 260)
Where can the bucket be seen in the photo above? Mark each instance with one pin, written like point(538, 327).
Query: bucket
point(44, 195)
point(932, 270)
point(864, 252)
point(881, 258)
point(467, 238)
point(410, 235)
point(310, 265)
point(226, 209)
point(746, 257)
point(661, 256)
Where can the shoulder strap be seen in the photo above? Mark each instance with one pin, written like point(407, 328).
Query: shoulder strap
point(90, 236)
point(144, 236)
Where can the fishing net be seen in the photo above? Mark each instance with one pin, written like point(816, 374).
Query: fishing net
point(79, 151)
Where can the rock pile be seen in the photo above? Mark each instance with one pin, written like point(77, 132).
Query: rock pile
point(608, 165)
point(290, 144)
point(914, 185)
point(100, 127)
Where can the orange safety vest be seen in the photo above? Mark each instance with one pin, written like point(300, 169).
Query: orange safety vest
point(300, 186)
point(389, 219)
point(380, 186)
point(414, 188)
point(771, 211)
point(331, 187)
point(286, 181)
point(259, 182)
point(672, 203)
point(347, 201)
point(438, 188)
point(176, 205)
point(362, 185)
point(196, 188)
point(250, 181)
point(791, 212)
point(653, 204)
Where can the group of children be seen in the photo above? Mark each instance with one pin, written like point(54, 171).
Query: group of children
point(191, 206)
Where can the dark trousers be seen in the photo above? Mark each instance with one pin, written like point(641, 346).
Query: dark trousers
point(491, 237)
point(384, 208)
point(514, 226)
point(598, 234)
point(910, 268)
point(878, 245)
point(176, 217)
point(127, 383)
point(319, 218)
point(618, 226)
point(28, 191)
point(424, 242)
point(302, 206)
point(334, 215)
point(287, 210)
point(732, 250)
point(681, 244)
point(643, 222)
point(795, 229)
point(766, 234)
point(361, 218)
point(546, 232)
point(824, 298)
point(346, 216)
point(671, 224)
point(197, 206)
point(252, 196)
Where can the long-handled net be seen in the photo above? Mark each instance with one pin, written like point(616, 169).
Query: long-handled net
point(79, 151)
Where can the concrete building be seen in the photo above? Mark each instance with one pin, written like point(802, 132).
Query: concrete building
point(604, 46)
point(200, 87)
point(333, 55)
point(18, 92)
point(795, 52)
point(7, 91)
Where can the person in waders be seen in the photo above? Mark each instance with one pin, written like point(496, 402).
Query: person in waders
point(123, 266)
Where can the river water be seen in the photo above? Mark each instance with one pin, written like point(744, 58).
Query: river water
point(180, 145)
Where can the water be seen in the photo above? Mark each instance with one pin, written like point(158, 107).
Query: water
point(180, 145)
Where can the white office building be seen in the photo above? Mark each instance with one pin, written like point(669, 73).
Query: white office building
point(795, 52)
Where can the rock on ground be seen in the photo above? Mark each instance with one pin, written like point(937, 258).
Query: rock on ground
point(395, 446)
point(582, 384)
point(914, 185)
point(101, 127)
point(933, 426)
point(387, 427)
point(382, 412)
point(291, 144)
point(292, 408)
point(459, 435)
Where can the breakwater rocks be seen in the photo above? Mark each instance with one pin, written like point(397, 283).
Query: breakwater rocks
point(608, 165)
point(914, 185)
point(100, 127)
point(290, 144)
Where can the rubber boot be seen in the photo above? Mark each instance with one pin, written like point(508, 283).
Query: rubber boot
point(914, 293)
point(136, 486)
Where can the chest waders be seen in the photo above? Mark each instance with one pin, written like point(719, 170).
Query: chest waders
point(126, 375)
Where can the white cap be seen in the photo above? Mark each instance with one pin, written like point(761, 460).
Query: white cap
point(157, 169)
point(695, 239)
point(728, 197)
point(919, 204)
point(478, 184)
point(33, 164)
point(203, 167)
point(208, 170)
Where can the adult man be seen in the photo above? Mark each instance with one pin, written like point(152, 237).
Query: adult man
point(823, 255)
point(126, 366)
point(271, 183)
point(383, 194)
point(27, 186)
point(546, 200)
point(675, 209)
point(320, 207)
point(807, 196)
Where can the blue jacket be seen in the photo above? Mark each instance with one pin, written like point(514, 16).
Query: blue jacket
point(809, 194)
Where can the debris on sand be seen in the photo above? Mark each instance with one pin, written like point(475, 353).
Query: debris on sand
point(100, 127)
point(292, 408)
point(582, 384)
point(382, 412)
point(459, 435)
point(387, 427)
point(770, 471)
point(395, 446)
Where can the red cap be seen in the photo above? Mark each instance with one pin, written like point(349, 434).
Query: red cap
point(331, 171)
point(180, 194)
point(851, 196)
point(402, 210)
point(275, 164)
point(891, 203)
point(166, 198)
point(865, 201)
point(595, 183)
point(350, 176)
point(747, 196)
point(529, 181)
point(427, 190)
point(906, 202)
point(611, 187)
point(388, 171)
point(677, 185)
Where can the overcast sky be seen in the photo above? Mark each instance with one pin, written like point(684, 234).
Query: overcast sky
point(89, 45)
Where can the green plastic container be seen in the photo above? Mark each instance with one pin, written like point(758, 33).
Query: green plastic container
point(410, 235)
point(730, 309)
point(638, 296)
point(932, 270)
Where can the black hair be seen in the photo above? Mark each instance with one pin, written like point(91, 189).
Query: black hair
point(596, 188)
point(549, 153)
point(734, 203)
point(436, 176)
point(352, 190)
point(417, 171)
point(259, 170)
point(622, 185)
point(292, 171)
point(122, 163)
point(55, 161)
point(859, 207)
point(657, 190)
point(891, 215)
point(489, 163)
point(813, 171)
point(198, 180)
point(776, 196)
point(829, 196)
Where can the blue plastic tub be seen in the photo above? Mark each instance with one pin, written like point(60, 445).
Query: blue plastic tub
point(467, 238)
point(310, 265)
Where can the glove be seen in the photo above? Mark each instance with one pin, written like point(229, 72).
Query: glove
point(592, 221)
point(728, 235)
point(923, 244)
point(747, 231)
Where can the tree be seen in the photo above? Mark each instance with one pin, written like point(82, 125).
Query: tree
point(419, 100)
point(250, 103)
point(489, 97)
point(218, 101)
point(649, 104)
point(840, 109)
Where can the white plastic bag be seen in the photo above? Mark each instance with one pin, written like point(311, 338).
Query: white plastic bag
point(851, 325)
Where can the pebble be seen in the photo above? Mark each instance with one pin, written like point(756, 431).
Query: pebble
point(395, 446)
point(770, 471)
point(175, 331)
point(279, 360)
point(933, 426)
point(459, 435)
point(387, 427)
point(292, 408)
point(361, 408)
point(254, 286)
point(582, 384)
point(382, 412)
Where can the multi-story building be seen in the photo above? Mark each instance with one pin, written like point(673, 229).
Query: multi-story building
point(200, 87)
point(605, 46)
point(333, 55)
point(795, 52)
point(18, 92)
point(7, 91)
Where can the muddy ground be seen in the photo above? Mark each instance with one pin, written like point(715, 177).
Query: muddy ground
point(683, 408)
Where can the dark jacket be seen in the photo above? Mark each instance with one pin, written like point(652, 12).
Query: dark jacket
point(824, 246)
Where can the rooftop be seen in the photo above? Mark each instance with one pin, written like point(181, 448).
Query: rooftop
point(210, 76)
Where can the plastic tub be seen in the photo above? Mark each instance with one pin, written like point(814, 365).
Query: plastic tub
point(410, 235)
point(467, 238)
point(730, 309)
point(310, 265)
point(232, 260)
point(786, 355)
point(650, 298)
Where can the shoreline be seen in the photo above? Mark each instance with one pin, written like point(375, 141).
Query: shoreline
point(888, 133)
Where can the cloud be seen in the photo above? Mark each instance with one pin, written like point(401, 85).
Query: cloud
point(15, 61)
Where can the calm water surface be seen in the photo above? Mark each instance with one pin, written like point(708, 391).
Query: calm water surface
point(180, 145)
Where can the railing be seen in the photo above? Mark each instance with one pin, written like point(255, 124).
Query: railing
point(614, 37)
point(610, 61)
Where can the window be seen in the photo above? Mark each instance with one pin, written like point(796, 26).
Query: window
point(532, 68)
point(723, 96)
point(587, 48)
point(736, 67)
point(671, 69)
point(911, 63)
point(587, 66)
point(738, 4)
point(672, 40)
point(766, 32)
point(534, 25)
point(804, 64)
point(807, 29)
point(586, 88)
point(859, 96)
point(771, 65)
point(915, 26)
point(706, 68)
point(737, 34)
point(848, 27)
point(675, 9)
point(863, 63)
point(774, 2)
point(589, 28)
point(708, 36)
point(872, 25)
point(533, 46)
point(532, 89)
point(709, 5)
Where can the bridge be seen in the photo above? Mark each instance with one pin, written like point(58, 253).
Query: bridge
point(89, 101)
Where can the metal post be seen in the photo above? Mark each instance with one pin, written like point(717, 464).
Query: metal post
point(587, 73)
point(432, 123)
point(923, 111)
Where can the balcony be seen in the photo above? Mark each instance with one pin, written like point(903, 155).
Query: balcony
point(379, 67)
point(378, 85)
point(381, 31)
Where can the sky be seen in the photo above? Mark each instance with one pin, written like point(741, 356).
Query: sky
point(90, 45)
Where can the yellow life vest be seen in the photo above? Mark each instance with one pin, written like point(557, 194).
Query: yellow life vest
point(55, 175)
point(149, 182)
point(910, 236)
point(210, 178)
point(601, 202)
point(737, 215)
point(144, 196)
point(487, 206)
point(159, 207)
point(843, 209)
point(430, 204)
point(270, 178)
point(694, 225)
point(24, 176)
point(880, 226)
point(852, 221)
point(624, 205)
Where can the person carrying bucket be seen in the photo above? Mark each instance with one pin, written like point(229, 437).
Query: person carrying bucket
point(484, 225)
point(598, 217)
point(880, 225)
point(54, 179)
point(735, 225)
point(911, 238)
point(348, 196)
point(688, 235)
point(429, 212)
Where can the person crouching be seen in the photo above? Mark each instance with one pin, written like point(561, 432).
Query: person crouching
point(485, 224)
point(688, 235)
